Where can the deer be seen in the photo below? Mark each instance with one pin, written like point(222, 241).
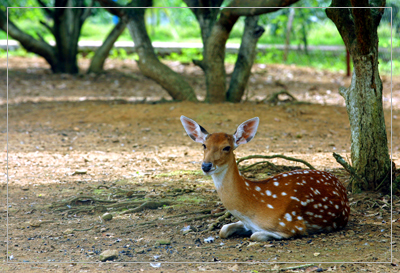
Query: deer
point(290, 204)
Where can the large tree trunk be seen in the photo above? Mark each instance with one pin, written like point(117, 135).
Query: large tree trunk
point(67, 28)
point(101, 54)
point(247, 53)
point(369, 147)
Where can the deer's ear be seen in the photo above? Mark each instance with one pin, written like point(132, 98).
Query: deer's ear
point(245, 132)
point(194, 130)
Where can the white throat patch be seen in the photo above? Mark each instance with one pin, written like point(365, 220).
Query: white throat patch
point(219, 175)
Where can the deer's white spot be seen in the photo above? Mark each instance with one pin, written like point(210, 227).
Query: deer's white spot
point(288, 217)
point(299, 218)
point(293, 213)
point(268, 192)
point(303, 203)
point(270, 206)
point(282, 224)
point(284, 174)
point(336, 207)
point(283, 193)
point(274, 196)
point(299, 228)
point(257, 188)
point(294, 198)
point(247, 184)
point(276, 184)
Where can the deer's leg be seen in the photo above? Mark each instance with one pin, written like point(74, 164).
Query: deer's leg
point(262, 236)
point(234, 228)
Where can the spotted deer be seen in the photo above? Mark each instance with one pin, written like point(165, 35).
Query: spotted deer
point(289, 204)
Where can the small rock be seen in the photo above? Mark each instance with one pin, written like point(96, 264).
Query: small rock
point(68, 231)
point(164, 242)
point(254, 244)
point(80, 172)
point(35, 223)
point(109, 254)
point(107, 216)
point(316, 254)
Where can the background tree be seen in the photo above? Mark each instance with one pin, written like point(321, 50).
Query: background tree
point(369, 147)
point(215, 35)
point(101, 54)
point(149, 64)
point(66, 29)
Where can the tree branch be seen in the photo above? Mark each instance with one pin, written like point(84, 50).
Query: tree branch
point(87, 12)
point(258, 6)
point(46, 9)
point(27, 41)
point(47, 26)
point(343, 19)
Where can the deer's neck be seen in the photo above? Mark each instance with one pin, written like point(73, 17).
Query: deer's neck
point(229, 183)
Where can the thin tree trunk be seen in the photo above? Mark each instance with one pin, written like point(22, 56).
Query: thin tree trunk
point(97, 62)
point(149, 64)
point(214, 60)
point(369, 147)
point(206, 18)
point(247, 53)
point(288, 32)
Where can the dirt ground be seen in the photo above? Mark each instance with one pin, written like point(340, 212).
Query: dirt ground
point(81, 146)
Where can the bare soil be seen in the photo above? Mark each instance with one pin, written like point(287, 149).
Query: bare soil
point(80, 146)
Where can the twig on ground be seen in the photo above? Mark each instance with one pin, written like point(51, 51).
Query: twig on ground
point(349, 169)
point(245, 169)
point(275, 156)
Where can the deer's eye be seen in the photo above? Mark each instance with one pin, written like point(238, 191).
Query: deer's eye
point(204, 146)
point(227, 149)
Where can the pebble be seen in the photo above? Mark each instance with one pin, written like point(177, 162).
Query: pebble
point(107, 216)
point(109, 254)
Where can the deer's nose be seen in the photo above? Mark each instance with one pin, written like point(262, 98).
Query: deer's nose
point(206, 166)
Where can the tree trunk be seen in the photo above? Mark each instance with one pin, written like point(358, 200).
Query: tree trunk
point(206, 16)
point(149, 64)
point(97, 62)
point(247, 53)
point(214, 53)
point(67, 28)
point(214, 59)
point(369, 147)
point(288, 31)
point(39, 47)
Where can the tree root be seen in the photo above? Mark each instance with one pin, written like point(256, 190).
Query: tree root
point(276, 156)
point(154, 222)
point(274, 98)
point(83, 199)
point(147, 205)
point(219, 220)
